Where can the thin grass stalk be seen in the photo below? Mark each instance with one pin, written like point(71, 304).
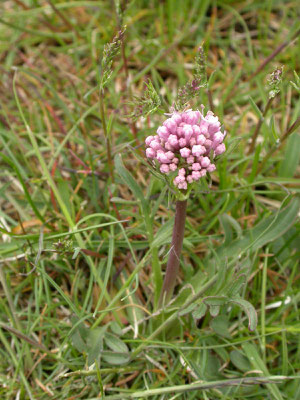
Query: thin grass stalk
point(27, 355)
point(125, 66)
point(175, 252)
point(199, 386)
point(288, 132)
point(107, 139)
point(259, 124)
point(157, 276)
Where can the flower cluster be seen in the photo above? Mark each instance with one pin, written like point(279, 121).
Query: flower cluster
point(186, 143)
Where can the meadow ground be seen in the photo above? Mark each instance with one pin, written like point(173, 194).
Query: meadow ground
point(85, 238)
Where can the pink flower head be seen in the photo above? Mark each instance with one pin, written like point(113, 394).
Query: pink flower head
point(163, 133)
point(179, 179)
point(149, 140)
point(150, 153)
point(201, 139)
point(177, 118)
point(211, 168)
point(182, 142)
point(196, 167)
point(185, 152)
point(218, 137)
point(198, 150)
point(155, 145)
point(162, 157)
point(190, 160)
point(187, 131)
point(170, 155)
point(220, 149)
point(196, 130)
point(185, 146)
point(173, 141)
point(196, 175)
point(164, 168)
point(205, 162)
point(182, 185)
point(171, 125)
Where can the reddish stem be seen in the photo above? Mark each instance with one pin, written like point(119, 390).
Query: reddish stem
point(175, 252)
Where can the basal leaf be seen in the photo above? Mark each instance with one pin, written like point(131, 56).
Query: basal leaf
point(114, 343)
point(114, 358)
point(95, 342)
point(236, 285)
point(215, 300)
point(220, 325)
point(240, 361)
point(214, 310)
point(249, 310)
point(187, 310)
point(200, 311)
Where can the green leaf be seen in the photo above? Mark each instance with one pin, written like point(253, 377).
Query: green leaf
point(182, 296)
point(95, 343)
point(215, 300)
point(116, 329)
point(214, 310)
point(200, 311)
point(291, 158)
point(258, 364)
point(163, 234)
point(249, 310)
point(65, 193)
point(26, 192)
point(272, 127)
point(227, 228)
point(228, 223)
point(114, 358)
point(264, 232)
point(134, 187)
point(187, 310)
point(235, 287)
point(255, 108)
point(115, 344)
point(78, 341)
point(212, 367)
point(220, 325)
point(240, 361)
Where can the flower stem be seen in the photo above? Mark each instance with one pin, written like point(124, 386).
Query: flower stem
point(174, 256)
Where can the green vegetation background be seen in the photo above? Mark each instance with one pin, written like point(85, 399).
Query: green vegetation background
point(77, 250)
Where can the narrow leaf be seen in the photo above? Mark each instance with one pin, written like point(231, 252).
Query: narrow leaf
point(134, 187)
point(255, 108)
